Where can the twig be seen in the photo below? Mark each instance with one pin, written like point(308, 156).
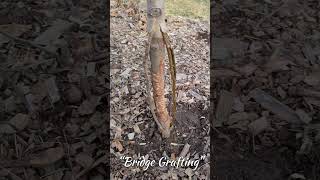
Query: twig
point(9, 172)
point(15, 145)
point(68, 154)
point(253, 143)
point(23, 41)
point(222, 135)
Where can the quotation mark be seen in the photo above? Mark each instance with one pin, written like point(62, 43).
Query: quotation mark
point(122, 157)
point(202, 157)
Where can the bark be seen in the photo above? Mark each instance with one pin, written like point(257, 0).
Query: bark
point(157, 56)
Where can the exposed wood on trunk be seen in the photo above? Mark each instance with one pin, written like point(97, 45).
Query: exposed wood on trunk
point(157, 56)
point(158, 95)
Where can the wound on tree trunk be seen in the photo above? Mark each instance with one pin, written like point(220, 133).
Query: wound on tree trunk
point(157, 56)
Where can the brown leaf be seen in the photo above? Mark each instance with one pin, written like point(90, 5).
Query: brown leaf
point(236, 117)
point(275, 106)
point(309, 53)
point(313, 79)
point(20, 121)
point(258, 125)
point(281, 92)
point(97, 119)
point(304, 92)
point(304, 116)
point(185, 150)
point(238, 105)
point(117, 144)
point(136, 129)
point(278, 64)
point(13, 29)
point(6, 129)
point(74, 94)
point(114, 13)
point(224, 107)
point(89, 106)
point(247, 69)
point(224, 48)
point(52, 33)
point(84, 159)
point(218, 73)
point(47, 157)
point(312, 101)
point(102, 159)
point(52, 90)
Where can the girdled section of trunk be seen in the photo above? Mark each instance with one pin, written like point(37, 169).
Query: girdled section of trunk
point(156, 18)
point(157, 55)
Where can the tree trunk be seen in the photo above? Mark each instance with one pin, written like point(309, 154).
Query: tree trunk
point(157, 56)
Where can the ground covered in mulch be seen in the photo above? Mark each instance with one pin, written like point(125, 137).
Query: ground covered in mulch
point(53, 82)
point(133, 131)
point(266, 89)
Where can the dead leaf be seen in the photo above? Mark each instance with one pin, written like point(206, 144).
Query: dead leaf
point(114, 13)
point(84, 159)
point(259, 125)
point(100, 160)
point(52, 90)
point(89, 106)
point(247, 69)
point(224, 108)
point(117, 144)
point(303, 116)
point(47, 157)
point(54, 32)
point(275, 106)
point(224, 48)
point(97, 119)
point(136, 129)
point(312, 101)
point(309, 53)
point(313, 78)
point(296, 176)
point(189, 172)
point(281, 92)
point(236, 117)
point(74, 94)
point(308, 92)
point(65, 55)
point(238, 105)
point(20, 121)
point(181, 76)
point(15, 30)
point(196, 95)
point(277, 64)
point(306, 144)
point(218, 73)
point(6, 129)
